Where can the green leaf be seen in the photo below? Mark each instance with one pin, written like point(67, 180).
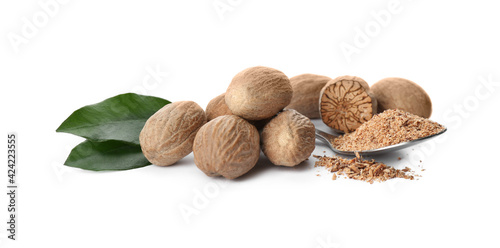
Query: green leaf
point(107, 155)
point(117, 118)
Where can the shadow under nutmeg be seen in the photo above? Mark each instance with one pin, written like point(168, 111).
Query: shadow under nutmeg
point(264, 166)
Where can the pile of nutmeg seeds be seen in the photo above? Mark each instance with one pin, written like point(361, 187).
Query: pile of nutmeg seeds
point(227, 139)
point(262, 109)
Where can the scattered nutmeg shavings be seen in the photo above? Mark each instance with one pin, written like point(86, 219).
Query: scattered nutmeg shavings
point(363, 170)
point(391, 127)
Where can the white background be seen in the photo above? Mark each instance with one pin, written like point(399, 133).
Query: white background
point(87, 51)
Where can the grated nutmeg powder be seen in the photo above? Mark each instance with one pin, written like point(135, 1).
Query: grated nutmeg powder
point(390, 127)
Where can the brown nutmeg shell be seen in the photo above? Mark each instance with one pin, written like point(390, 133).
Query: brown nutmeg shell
point(226, 146)
point(257, 93)
point(288, 139)
point(400, 93)
point(306, 92)
point(168, 134)
point(217, 107)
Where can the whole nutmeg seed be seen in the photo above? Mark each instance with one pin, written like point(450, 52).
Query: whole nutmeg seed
point(400, 93)
point(226, 146)
point(346, 102)
point(168, 134)
point(258, 93)
point(288, 139)
point(217, 107)
point(306, 90)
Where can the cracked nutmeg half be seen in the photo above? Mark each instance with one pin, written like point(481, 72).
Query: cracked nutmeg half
point(346, 102)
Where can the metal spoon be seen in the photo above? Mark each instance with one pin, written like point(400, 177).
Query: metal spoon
point(328, 138)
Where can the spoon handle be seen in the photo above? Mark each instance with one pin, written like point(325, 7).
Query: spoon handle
point(327, 137)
